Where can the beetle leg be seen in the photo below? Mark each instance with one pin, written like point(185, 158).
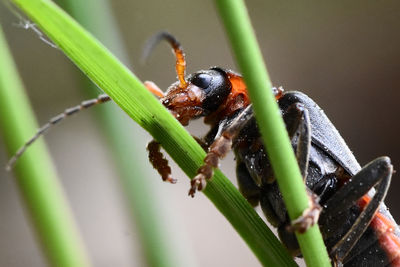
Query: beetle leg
point(376, 174)
point(297, 120)
point(247, 187)
point(159, 162)
point(219, 148)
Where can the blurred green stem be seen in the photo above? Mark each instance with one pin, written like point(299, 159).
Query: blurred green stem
point(158, 242)
point(36, 178)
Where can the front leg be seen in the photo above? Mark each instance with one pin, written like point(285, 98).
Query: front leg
point(218, 149)
point(160, 163)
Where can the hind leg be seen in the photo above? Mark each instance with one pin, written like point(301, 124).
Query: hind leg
point(298, 126)
point(247, 187)
point(375, 174)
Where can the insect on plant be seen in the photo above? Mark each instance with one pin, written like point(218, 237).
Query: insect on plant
point(367, 235)
point(357, 228)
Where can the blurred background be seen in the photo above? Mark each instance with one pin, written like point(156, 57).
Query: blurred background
point(345, 55)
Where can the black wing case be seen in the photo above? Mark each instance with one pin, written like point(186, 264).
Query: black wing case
point(325, 136)
point(323, 133)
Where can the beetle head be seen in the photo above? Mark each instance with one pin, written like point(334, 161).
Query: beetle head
point(204, 92)
point(196, 95)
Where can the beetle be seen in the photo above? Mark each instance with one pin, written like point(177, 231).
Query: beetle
point(367, 234)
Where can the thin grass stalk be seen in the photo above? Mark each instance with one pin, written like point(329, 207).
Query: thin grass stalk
point(250, 60)
point(130, 94)
point(35, 176)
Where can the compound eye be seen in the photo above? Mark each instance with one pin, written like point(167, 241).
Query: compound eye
point(215, 85)
point(202, 80)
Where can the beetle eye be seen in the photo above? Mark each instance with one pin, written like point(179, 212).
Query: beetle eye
point(202, 80)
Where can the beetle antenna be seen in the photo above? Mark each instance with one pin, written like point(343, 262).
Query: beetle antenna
point(55, 120)
point(177, 49)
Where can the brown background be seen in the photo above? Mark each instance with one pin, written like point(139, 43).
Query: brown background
point(343, 54)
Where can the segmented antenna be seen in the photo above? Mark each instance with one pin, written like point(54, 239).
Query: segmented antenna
point(55, 120)
point(180, 64)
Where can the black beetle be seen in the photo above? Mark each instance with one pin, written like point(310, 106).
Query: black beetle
point(357, 228)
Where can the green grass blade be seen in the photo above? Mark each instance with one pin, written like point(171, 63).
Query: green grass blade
point(158, 242)
point(250, 61)
point(35, 176)
point(129, 93)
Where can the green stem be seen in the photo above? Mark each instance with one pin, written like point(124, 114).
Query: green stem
point(35, 175)
point(125, 142)
point(130, 94)
point(250, 60)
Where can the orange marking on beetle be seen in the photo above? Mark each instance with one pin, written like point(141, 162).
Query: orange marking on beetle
point(385, 221)
point(237, 99)
point(384, 228)
point(238, 87)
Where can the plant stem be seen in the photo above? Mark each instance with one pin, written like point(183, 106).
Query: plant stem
point(248, 55)
point(130, 94)
point(35, 175)
point(160, 244)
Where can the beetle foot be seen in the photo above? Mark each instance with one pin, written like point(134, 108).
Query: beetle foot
point(198, 183)
point(170, 180)
point(309, 217)
point(204, 173)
